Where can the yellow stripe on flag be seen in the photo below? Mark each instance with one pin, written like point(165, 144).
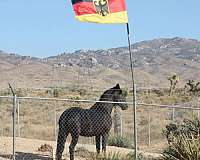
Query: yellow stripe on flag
point(118, 17)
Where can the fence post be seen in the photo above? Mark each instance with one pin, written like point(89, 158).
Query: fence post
point(121, 127)
point(198, 114)
point(14, 124)
point(149, 128)
point(173, 113)
point(2, 131)
point(135, 121)
point(55, 123)
point(1, 122)
point(18, 118)
point(14, 119)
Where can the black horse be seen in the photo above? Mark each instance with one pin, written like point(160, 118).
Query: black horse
point(96, 121)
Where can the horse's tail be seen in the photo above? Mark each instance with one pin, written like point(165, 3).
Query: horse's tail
point(62, 136)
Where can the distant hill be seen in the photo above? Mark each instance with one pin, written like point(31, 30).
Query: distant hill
point(153, 62)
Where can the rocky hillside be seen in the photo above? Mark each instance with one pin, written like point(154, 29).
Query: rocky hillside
point(146, 53)
point(153, 62)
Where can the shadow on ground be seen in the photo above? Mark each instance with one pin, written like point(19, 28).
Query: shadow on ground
point(26, 156)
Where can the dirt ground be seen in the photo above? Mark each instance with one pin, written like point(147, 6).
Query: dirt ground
point(27, 149)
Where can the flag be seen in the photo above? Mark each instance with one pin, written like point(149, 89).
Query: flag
point(100, 11)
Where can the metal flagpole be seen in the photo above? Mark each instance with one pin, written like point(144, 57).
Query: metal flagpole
point(134, 93)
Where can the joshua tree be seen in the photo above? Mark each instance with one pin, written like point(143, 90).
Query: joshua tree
point(174, 79)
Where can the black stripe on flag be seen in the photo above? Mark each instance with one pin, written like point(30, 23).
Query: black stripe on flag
point(78, 1)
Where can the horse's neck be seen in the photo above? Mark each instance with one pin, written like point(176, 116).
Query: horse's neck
point(104, 107)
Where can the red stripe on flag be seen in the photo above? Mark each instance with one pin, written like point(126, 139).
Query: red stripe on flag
point(117, 6)
point(84, 8)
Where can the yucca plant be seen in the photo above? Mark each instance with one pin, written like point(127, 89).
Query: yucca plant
point(183, 148)
point(119, 141)
point(189, 127)
point(184, 141)
point(193, 126)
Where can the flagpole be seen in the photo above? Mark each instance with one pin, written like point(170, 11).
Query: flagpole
point(134, 92)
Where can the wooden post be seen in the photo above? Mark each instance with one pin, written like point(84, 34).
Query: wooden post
point(117, 122)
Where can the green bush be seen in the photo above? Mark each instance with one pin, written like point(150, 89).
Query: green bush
point(183, 140)
point(119, 141)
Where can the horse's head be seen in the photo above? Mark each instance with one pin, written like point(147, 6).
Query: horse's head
point(118, 96)
point(115, 95)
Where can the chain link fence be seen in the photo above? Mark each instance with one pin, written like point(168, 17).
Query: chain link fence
point(37, 127)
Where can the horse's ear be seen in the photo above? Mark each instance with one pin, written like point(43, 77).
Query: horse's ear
point(118, 89)
point(117, 86)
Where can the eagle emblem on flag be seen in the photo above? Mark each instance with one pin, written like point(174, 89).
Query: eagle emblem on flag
point(101, 7)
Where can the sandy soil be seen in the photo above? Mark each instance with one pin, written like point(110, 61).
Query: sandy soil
point(27, 149)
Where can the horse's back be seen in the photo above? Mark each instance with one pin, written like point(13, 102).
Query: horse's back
point(69, 114)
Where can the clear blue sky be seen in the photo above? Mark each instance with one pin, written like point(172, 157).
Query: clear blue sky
point(47, 27)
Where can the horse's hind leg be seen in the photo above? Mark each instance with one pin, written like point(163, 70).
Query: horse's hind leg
point(75, 136)
point(104, 141)
point(98, 143)
point(62, 136)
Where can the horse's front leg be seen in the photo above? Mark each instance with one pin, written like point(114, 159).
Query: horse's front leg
point(104, 142)
point(62, 136)
point(98, 143)
point(75, 136)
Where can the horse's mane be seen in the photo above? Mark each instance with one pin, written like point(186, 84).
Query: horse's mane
point(106, 94)
point(104, 97)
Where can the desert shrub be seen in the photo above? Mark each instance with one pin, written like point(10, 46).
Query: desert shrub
point(125, 92)
point(82, 92)
point(119, 141)
point(159, 92)
point(48, 91)
point(114, 156)
point(20, 93)
point(183, 147)
point(56, 93)
point(183, 140)
point(188, 128)
point(75, 98)
point(5, 92)
point(193, 87)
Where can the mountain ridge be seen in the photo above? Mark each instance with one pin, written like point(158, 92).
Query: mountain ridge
point(153, 62)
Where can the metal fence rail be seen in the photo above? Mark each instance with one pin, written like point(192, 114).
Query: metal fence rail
point(176, 106)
